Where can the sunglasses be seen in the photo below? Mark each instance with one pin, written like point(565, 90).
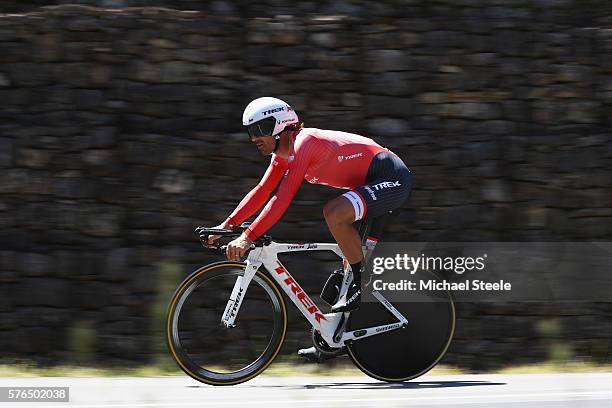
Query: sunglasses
point(263, 127)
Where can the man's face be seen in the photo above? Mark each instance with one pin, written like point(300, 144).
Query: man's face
point(265, 144)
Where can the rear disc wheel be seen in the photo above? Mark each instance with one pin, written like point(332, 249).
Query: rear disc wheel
point(406, 353)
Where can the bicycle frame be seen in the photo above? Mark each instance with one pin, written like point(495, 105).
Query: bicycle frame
point(330, 325)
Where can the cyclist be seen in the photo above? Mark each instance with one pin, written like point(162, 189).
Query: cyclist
point(377, 178)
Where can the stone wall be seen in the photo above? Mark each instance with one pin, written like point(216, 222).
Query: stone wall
point(120, 131)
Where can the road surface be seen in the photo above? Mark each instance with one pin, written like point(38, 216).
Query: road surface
point(483, 390)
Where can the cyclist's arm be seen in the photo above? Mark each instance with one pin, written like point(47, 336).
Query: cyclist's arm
point(276, 207)
point(259, 194)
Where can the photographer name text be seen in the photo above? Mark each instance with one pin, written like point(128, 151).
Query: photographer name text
point(439, 285)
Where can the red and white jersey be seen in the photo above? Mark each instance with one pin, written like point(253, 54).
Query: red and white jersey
point(327, 157)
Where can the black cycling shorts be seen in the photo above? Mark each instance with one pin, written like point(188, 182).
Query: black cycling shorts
point(387, 187)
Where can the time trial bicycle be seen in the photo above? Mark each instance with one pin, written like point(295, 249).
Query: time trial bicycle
point(226, 322)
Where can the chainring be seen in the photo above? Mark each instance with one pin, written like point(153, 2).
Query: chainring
point(320, 343)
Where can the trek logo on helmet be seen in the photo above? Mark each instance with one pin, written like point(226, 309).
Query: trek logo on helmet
point(268, 112)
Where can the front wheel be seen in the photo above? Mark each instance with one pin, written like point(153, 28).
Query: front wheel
point(208, 351)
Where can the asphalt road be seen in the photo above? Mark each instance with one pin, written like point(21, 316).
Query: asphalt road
point(506, 391)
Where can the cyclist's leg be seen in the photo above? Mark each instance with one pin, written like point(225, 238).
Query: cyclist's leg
point(388, 186)
point(339, 214)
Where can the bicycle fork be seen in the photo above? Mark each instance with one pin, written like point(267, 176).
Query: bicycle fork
point(240, 287)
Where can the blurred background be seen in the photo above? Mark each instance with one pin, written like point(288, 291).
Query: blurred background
point(120, 132)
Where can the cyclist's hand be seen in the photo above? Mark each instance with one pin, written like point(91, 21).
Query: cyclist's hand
point(237, 248)
point(212, 239)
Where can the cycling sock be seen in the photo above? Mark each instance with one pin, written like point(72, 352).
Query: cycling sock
point(356, 269)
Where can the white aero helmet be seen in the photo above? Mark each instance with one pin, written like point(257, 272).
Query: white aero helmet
point(268, 116)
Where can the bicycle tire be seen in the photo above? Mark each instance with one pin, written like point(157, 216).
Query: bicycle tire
point(406, 353)
point(197, 358)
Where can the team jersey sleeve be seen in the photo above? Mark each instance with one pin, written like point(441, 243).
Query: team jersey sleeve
point(305, 151)
point(260, 193)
